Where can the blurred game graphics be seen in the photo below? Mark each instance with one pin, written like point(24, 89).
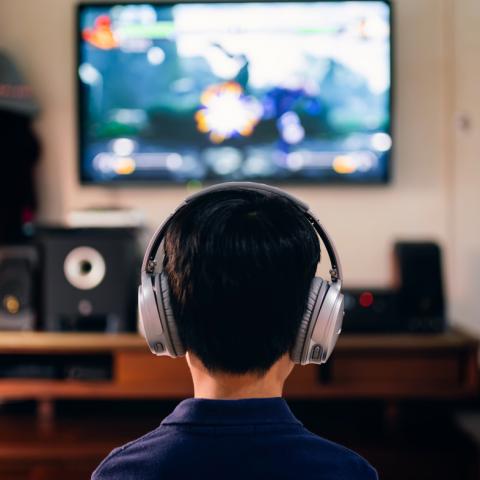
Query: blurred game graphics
point(238, 91)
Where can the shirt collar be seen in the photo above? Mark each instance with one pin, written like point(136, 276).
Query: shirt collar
point(232, 412)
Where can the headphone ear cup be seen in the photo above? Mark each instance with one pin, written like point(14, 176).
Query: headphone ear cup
point(150, 324)
point(141, 314)
point(324, 334)
point(174, 344)
point(314, 302)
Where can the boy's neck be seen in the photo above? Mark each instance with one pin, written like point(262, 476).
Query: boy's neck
point(211, 385)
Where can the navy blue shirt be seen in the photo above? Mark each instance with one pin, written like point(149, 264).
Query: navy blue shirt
point(233, 439)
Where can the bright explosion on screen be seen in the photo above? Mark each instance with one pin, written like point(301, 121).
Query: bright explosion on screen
point(282, 91)
point(226, 111)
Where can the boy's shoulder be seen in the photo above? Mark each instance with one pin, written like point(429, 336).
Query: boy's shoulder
point(162, 450)
point(126, 461)
point(340, 460)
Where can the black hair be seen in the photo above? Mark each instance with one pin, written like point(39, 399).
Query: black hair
point(239, 266)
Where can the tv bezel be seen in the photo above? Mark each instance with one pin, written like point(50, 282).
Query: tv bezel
point(132, 182)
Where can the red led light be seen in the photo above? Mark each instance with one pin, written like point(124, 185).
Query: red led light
point(366, 299)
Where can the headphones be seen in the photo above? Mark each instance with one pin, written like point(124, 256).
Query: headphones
point(322, 320)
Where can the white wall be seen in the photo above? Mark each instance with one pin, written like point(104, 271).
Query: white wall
point(465, 227)
point(363, 220)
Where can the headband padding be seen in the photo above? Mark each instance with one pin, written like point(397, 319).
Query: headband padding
point(312, 301)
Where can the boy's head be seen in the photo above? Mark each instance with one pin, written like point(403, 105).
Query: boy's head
point(239, 265)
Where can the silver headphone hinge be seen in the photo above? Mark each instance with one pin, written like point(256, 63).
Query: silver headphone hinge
point(334, 275)
point(151, 265)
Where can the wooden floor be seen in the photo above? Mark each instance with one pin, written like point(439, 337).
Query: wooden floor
point(422, 443)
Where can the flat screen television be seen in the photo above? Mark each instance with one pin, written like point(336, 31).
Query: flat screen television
point(210, 92)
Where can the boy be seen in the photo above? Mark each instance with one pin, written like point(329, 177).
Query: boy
point(239, 264)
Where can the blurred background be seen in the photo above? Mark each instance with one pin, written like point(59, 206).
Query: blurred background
point(111, 115)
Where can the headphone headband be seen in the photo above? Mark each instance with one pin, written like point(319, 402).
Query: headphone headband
point(322, 319)
point(149, 263)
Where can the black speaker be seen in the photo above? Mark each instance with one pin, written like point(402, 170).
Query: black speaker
point(20, 153)
point(18, 267)
point(89, 279)
point(421, 301)
point(370, 310)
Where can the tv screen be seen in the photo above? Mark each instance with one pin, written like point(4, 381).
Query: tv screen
point(210, 92)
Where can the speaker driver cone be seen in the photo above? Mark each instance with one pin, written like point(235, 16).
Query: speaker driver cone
point(84, 268)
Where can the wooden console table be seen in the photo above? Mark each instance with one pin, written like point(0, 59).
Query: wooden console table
point(386, 367)
point(391, 367)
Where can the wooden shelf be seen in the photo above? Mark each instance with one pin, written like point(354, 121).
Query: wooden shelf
point(100, 342)
point(363, 366)
point(47, 342)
